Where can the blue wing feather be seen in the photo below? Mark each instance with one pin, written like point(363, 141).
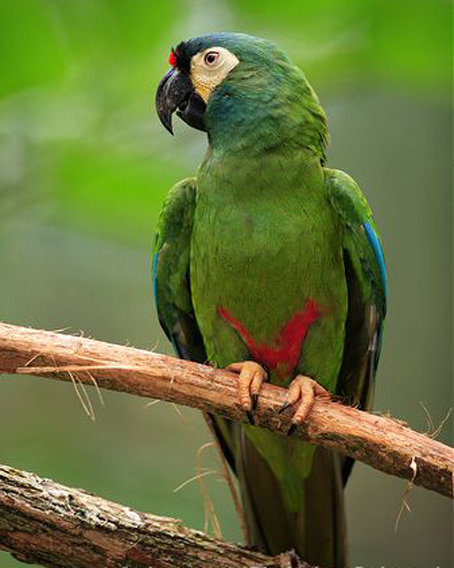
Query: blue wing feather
point(377, 248)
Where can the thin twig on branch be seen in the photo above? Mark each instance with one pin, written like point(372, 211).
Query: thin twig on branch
point(43, 522)
point(380, 442)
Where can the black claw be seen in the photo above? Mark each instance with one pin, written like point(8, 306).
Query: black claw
point(292, 429)
point(284, 407)
point(250, 417)
point(255, 399)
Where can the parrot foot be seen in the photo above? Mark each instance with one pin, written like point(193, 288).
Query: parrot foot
point(304, 389)
point(250, 380)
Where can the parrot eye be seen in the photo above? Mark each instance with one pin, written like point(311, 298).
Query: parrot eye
point(211, 57)
point(209, 68)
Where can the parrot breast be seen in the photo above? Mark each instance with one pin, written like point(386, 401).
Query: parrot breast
point(266, 269)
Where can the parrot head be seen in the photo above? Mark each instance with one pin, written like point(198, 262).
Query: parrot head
point(236, 86)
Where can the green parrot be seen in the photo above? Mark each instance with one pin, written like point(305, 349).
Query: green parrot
point(269, 264)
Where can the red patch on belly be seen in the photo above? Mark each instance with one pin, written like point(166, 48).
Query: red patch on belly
point(285, 353)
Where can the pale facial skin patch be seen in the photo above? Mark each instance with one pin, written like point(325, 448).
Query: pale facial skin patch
point(209, 68)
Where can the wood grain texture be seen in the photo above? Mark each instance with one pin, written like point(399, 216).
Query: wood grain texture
point(43, 522)
point(378, 441)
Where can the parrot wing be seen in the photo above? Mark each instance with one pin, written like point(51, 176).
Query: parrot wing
point(172, 290)
point(367, 293)
point(367, 289)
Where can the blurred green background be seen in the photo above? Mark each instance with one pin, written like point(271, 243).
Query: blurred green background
point(84, 168)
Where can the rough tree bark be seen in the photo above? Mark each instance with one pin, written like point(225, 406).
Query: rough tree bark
point(380, 442)
point(46, 523)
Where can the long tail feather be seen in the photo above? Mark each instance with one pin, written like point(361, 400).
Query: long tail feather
point(317, 531)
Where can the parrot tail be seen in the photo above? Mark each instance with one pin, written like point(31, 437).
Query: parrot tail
point(317, 532)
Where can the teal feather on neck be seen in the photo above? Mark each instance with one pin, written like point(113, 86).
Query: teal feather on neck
point(264, 103)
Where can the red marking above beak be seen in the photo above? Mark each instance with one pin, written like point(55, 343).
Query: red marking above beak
point(173, 58)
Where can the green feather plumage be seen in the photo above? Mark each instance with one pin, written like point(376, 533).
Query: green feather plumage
point(262, 228)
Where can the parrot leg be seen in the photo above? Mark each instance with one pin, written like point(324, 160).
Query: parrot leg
point(250, 380)
point(306, 390)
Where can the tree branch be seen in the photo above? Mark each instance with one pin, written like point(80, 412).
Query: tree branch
point(47, 523)
point(380, 442)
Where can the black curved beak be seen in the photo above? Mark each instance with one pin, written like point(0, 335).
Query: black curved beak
point(175, 91)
